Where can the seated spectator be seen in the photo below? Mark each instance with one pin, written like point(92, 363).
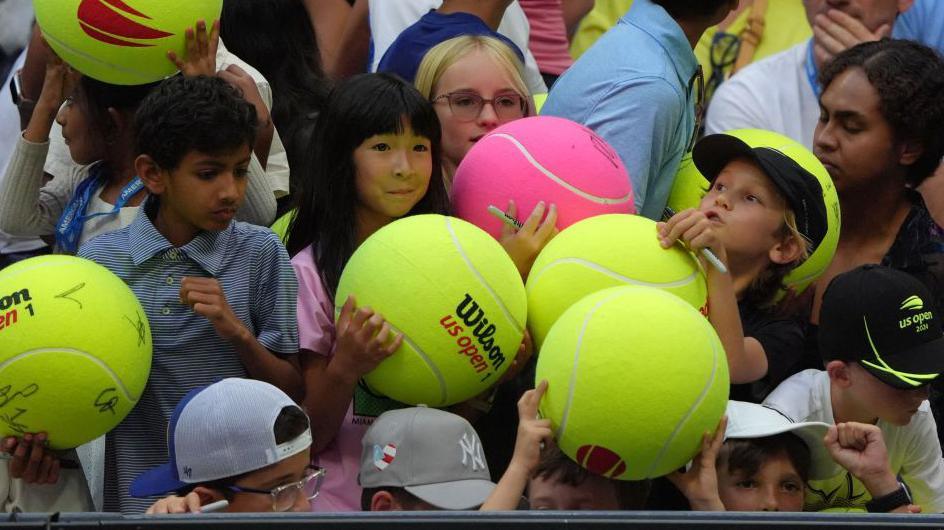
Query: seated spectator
point(781, 93)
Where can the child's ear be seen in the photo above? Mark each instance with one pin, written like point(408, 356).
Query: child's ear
point(384, 501)
point(150, 174)
point(208, 495)
point(839, 373)
point(909, 152)
point(787, 251)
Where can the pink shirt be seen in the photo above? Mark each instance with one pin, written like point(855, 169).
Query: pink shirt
point(548, 40)
point(342, 457)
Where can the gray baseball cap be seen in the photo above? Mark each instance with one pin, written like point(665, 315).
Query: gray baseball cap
point(433, 454)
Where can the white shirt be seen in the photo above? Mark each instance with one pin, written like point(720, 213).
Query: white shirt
point(914, 451)
point(389, 18)
point(772, 94)
point(9, 134)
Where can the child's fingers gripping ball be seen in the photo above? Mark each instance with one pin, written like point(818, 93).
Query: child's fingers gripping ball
point(542, 158)
point(122, 42)
point(602, 252)
point(456, 297)
point(636, 377)
point(75, 350)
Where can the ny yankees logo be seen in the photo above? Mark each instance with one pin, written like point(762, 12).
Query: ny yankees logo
point(471, 452)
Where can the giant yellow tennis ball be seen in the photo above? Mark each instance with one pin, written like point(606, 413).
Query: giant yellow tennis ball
point(122, 42)
point(456, 296)
point(602, 252)
point(75, 349)
point(636, 377)
point(690, 186)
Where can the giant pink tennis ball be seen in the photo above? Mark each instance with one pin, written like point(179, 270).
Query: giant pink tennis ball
point(541, 159)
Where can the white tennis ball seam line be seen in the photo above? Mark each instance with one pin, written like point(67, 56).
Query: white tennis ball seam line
point(561, 182)
point(145, 77)
point(118, 381)
point(429, 363)
point(709, 383)
point(571, 389)
point(613, 274)
point(519, 327)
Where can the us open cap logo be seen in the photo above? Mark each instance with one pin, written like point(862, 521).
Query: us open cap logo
point(912, 302)
point(110, 22)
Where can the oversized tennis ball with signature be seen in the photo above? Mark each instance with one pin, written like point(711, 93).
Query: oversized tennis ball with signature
point(75, 350)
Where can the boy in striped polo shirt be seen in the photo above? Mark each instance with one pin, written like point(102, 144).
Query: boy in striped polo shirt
point(219, 294)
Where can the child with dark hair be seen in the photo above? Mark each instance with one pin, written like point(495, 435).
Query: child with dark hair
point(759, 460)
point(559, 483)
point(375, 158)
point(763, 215)
point(102, 192)
point(219, 295)
point(240, 441)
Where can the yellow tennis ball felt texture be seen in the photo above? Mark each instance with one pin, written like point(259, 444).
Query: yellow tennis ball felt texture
point(75, 349)
point(456, 296)
point(635, 377)
point(607, 251)
point(122, 42)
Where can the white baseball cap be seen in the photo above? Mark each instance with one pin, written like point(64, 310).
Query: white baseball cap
point(750, 420)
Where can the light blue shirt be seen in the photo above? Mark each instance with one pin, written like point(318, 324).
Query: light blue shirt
point(259, 284)
point(923, 22)
point(633, 88)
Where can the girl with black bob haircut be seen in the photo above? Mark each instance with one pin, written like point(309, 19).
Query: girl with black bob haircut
point(375, 158)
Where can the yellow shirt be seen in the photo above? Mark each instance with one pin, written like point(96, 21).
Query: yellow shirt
point(786, 26)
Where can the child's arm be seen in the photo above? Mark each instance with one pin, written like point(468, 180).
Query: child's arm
point(747, 361)
point(30, 461)
point(700, 483)
point(364, 339)
point(206, 297)
point(860, 448)
point(532, 433)
point(201, 48)
point(525, 243)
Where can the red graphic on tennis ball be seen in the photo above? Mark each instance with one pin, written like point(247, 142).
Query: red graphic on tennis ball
point(601, 461)
point(111, 25)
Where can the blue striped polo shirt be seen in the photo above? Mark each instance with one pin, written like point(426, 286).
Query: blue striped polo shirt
point(257, 278)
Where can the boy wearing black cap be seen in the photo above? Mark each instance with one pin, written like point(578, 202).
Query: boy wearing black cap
point(762, 216)
point(882, 344)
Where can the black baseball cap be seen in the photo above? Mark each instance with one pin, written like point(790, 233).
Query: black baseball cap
point(883, 319)
point(798, 186)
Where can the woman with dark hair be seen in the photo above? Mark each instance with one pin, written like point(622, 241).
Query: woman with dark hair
point(880, 135)
point(276, 37)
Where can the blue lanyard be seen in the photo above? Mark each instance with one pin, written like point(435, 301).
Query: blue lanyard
point(812, 73)
point(69, 228)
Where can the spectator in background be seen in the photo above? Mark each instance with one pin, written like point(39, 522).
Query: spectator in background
point(638, 88)
point(389, 19)
point(781, 92)
point(551, 24)
point(277, 38)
